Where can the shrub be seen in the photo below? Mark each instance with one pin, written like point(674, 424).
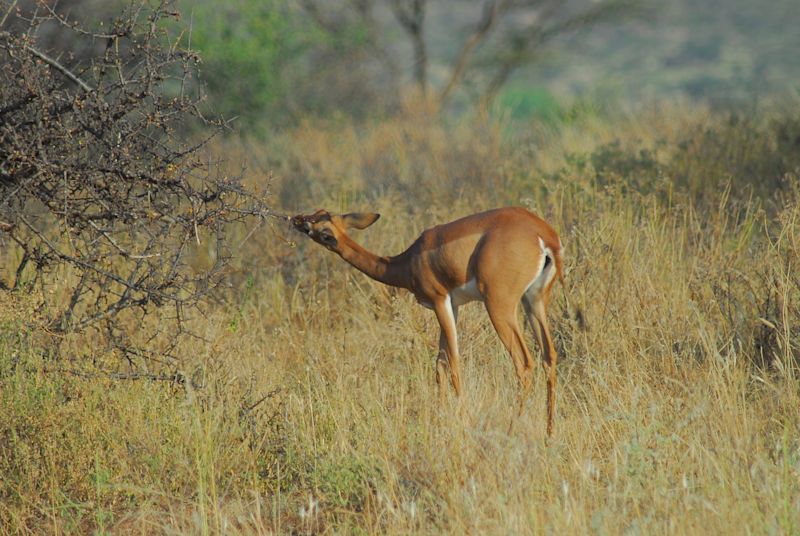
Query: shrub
point(101, 204)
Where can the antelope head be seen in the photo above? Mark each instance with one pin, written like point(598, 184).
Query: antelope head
point(328, 229)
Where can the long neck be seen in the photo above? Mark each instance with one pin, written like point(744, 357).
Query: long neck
point(386, 270)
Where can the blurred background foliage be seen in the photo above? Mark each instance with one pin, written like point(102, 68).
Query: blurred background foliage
point(274, 63)
point(266, 64)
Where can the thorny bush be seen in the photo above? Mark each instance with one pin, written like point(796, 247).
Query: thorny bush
point(98, 190)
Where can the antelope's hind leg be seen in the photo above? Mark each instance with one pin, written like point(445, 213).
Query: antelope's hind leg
point(536, 313)
point(504, 320)
point(442, 366)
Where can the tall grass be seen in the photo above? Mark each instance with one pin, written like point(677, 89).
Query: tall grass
point(311, 406)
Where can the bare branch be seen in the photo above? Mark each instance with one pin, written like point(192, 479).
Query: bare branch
point(177, 377)
point(313, 9)
point(411, 16)
point(53, 63)
point(492, 9)
point(8, 12)
point(521, 45)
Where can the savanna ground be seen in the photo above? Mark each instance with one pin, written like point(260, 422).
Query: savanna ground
point(310, 406)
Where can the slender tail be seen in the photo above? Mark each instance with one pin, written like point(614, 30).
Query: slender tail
point(559, 260)
point(577, 315)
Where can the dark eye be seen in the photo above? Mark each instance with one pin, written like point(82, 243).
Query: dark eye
point(327, 237)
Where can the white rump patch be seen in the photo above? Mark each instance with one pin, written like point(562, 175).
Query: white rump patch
point(545, 274)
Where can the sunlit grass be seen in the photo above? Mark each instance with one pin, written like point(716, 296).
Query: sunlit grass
point(311, 406)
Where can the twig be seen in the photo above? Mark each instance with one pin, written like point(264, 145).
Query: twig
point(253, 230)
point(177, 377)
point(492, 9)
point(83, 264)
point(10, 9)
point(77, 29)
point(260, 400)
point(54, 64)
point(123, 251)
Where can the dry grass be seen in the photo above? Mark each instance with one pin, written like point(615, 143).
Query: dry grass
point(313, 409)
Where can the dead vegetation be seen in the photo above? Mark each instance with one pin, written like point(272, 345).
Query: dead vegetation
point(311, 405)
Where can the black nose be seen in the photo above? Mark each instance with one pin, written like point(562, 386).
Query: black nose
point(299, 223)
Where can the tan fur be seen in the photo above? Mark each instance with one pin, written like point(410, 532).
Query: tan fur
point(499, 250)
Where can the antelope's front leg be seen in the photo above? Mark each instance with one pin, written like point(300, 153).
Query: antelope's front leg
point(446, 315)
point(441, 366)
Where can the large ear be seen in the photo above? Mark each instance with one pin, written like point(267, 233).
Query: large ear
point(359, 220)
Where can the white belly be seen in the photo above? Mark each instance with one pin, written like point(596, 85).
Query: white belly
point(465, 293)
